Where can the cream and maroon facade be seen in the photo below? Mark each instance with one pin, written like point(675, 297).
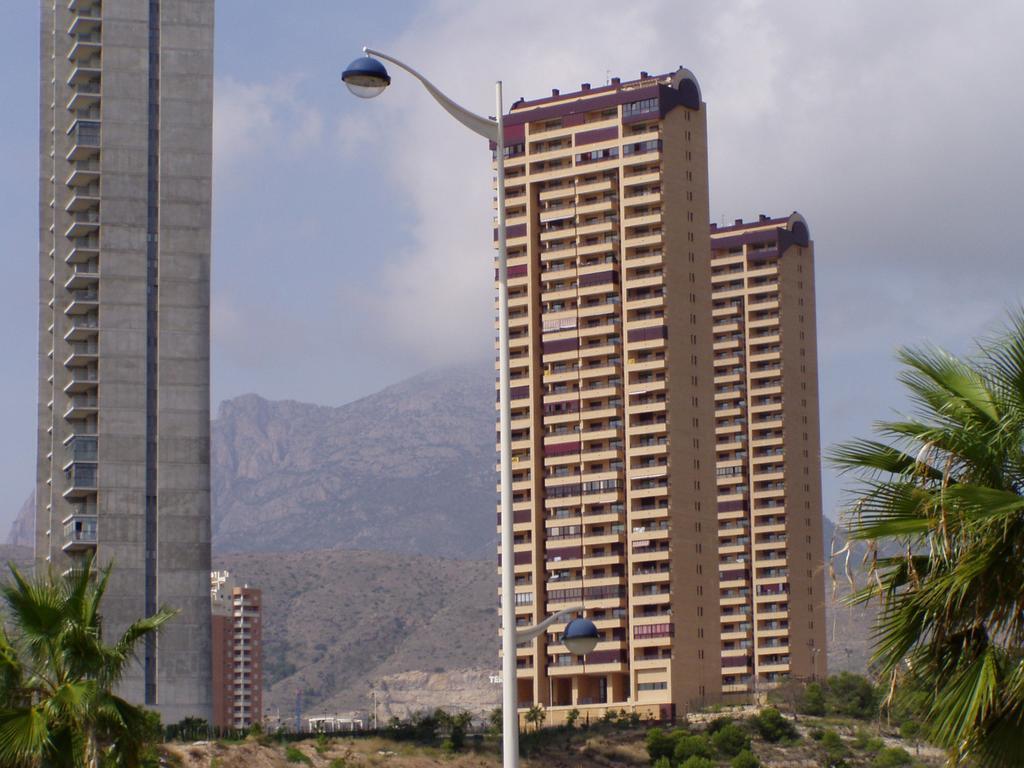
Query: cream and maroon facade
point(768, 457)
point(237, 662)
point(612, 395)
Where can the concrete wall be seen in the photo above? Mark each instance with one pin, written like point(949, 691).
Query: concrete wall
point(179, 552)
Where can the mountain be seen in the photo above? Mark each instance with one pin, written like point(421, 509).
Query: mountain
point(408, 469)
point(370, 528)
point(22, 532)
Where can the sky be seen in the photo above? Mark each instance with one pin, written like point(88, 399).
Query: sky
point(352, 243)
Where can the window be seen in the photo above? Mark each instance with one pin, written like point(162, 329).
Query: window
point(597, 155)
point(654, 145)
point(651, 686)
point(640, 107)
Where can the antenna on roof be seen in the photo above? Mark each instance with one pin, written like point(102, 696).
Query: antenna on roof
point(607, 77)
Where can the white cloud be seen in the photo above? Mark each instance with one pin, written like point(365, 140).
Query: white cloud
point(252, 119)
point(891, 126)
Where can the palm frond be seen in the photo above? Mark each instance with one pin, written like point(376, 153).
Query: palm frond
point(24, 735)
point(948, 385)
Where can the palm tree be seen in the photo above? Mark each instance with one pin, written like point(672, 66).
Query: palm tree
point(57, 706)
point(536, 715)
point(940, 502)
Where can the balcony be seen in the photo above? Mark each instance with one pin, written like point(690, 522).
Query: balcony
point(81, 407)
point(83, 223)
point(81, 446)
point(79, 533)
point(85, 96)
point(83, 174)
point(81, 479)
point(83, 249)
point(83, 328)
point(87, 45)
point(82, 354)
point(84, 198)
point(82, 302)
point(85, 138)
point(82, 380)
point(86, 24)
point(83, 275)
point(86, 70)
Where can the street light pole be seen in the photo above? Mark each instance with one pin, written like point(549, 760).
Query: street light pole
point(510, 681)
point(492, 130)
point(367, 78)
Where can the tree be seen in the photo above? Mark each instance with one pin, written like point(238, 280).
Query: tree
point(890, 757)
point(456, 724)
point(833, 746)
point(852, 696)
point(745, 759)
point(939, 503)
point(571, 718)
point(660, 744)
point(57, 706)
point(730, 740)
point(688, 746)
point(773, 727)
point(494, 721)
point(536, 715)
point(813, 701)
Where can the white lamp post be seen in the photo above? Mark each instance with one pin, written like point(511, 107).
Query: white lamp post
point(366, 77)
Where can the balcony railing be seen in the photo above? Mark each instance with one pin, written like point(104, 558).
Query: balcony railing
point(81, 475)
point(79, 532)
point(82, 448)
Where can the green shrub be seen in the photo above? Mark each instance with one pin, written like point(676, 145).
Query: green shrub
point(697, 761)
point(321, 743)
point(730, 740)
point(813, 701)
point(816, 734)
point(338, 762)
point(833, 745)
point(662, 762)
point(890, 757)
point(448, 746)
point(571, 718)
point(745, 759)
point(660, 744)
point(773, 727)
point(910, 730)
point(852, 696)
point(718, 724)
point(688, 746)
point(866, 742)
point(295, 755)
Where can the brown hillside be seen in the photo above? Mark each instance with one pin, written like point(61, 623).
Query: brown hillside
point(338, 621)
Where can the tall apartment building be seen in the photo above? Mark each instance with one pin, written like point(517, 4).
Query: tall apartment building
point(237, 652)
point(768, 463)
point(123, 440)
point(612, 394)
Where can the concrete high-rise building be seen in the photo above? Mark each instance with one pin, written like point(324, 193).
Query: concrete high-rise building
point(237, 652)
point(123, 439)
point(768, 463)
point(612, 395)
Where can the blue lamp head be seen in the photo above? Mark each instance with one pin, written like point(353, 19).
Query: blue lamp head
point(366, 77)
point(580, 636)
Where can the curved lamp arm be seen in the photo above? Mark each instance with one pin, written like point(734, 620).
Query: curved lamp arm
point(482, 125)
point(528, 633)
